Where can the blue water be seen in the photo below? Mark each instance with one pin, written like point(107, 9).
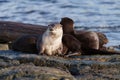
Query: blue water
point(97, 13)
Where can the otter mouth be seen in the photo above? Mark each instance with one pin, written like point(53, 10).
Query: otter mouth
point(51, 29)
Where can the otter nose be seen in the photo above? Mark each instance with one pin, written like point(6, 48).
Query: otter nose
point(51, 29)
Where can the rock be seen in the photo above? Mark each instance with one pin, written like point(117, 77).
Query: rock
point(82, 67)
point(6, 62)
point(31, 72)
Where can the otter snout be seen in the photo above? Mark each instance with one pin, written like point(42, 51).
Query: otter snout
point(51, 29)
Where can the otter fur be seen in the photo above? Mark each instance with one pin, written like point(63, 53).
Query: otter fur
point(87, 38)
point(69, 40)
point(51, 41)
point(26, 43)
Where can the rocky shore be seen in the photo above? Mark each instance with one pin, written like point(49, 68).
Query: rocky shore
point(25, 66)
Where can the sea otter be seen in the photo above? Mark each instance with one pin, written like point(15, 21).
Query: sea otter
point(91, 42)
point(50, 43)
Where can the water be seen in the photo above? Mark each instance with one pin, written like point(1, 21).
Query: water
point(97, 13)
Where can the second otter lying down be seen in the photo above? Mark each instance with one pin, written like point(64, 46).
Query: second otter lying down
point(26, 43)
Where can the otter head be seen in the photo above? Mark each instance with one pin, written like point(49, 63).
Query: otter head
point(55, 29)
point(67, 24)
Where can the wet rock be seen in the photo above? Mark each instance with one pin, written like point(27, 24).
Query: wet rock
point(31, 72)
point(6, 62)
point(82, 67)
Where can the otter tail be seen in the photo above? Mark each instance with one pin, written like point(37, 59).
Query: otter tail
point(90, 51)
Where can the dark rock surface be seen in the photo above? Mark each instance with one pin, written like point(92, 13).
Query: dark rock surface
point(31, 72)
point(102, 67)
point(21, 66)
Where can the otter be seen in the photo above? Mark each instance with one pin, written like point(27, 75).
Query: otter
point(71, 45)
point(102, 38)
point(26, 43)
point(69, 39)
point(91, 42)
point(50, 43)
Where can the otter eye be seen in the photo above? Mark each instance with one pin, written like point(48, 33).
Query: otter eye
point(52, 25)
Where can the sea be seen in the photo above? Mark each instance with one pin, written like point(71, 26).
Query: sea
point(93, 15)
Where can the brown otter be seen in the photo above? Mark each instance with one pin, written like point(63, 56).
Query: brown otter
point(102, 38)
point(88, 38)
point(26, 43)
point(69, 40)
point(51, 41)
point(90, 41)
